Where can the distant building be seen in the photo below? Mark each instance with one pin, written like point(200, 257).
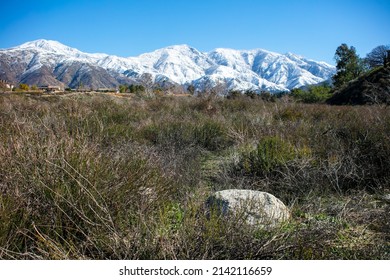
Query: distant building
point(6, 84)
point(51, 88)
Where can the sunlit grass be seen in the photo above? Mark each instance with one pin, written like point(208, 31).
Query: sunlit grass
point(100, 177)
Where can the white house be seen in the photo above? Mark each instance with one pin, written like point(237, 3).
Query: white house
point(6, 84)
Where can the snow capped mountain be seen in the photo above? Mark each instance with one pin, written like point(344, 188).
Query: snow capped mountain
point(181, 64)
point(58, 49)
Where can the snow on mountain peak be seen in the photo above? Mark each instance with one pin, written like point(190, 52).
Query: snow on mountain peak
point(49, 46)
point(240, 69)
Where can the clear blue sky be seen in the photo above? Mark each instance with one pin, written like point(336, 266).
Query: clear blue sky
point(313, 28)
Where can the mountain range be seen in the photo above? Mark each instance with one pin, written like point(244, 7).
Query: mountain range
point(46, 62)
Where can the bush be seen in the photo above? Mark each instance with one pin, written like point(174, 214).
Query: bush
point(208, 134)
point(24, 87)
point(234, 94)
point(314, 94)
point(269, 153)
point(212, 135)
point(289, 114)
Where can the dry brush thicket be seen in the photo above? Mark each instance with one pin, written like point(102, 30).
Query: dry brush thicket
point(99, 177)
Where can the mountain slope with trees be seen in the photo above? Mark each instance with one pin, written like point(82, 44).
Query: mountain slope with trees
point(361, 81)
point(370, 88)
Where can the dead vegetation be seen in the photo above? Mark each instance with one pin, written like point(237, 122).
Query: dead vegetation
point(101, 177)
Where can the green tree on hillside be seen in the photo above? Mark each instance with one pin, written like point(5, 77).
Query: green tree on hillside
point(348, 64)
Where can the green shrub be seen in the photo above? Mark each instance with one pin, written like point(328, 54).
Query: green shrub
point(269, 153)
point(314, 94)
point(23, 87)
point(212, 135)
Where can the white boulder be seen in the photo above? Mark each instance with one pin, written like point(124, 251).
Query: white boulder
point(256, 208)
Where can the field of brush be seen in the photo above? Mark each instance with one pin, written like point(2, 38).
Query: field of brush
point(103, 177)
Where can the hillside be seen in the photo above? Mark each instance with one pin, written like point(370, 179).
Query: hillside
point(371, 88)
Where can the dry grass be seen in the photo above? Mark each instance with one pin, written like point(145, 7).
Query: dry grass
point(101, 177)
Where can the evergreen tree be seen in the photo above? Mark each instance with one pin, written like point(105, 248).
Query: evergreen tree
point(348, 64)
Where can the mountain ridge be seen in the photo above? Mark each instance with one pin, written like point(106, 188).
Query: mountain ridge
point(258, 69)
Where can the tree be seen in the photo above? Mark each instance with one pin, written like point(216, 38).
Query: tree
point(348, 64)
point(146, 80)
point(314, 94)
point(234, 94)
point(135, 88)
point(122, 88)
point(191, 89)
point(252, 94)
point(24, 87)
point(377, 57)
point(267, 96)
